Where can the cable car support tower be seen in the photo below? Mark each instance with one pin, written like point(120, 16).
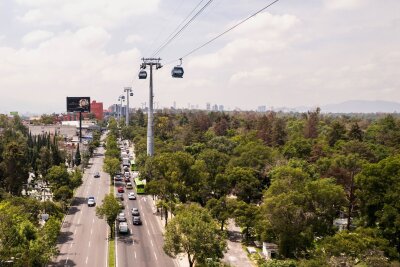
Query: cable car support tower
point(143, 75)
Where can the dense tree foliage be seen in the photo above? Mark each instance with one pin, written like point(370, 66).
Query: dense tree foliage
point(283, 178)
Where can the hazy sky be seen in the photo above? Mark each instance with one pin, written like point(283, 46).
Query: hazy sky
point(297, 53)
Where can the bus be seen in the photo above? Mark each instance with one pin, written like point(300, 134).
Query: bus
point(133, 165)
point(140, 185)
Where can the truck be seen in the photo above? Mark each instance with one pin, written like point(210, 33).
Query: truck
point(123, 228)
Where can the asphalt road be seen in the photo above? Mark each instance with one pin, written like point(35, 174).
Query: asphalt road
point(83, 236)
point(143, 245)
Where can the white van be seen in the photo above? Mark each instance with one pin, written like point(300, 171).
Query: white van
point(123, 228)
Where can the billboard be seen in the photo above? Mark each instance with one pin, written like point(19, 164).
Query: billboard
point(78, 104)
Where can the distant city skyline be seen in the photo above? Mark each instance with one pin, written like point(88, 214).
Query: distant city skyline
point(311, 53)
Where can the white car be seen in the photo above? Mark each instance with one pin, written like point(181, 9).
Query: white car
point(131, 196)
point(91, 202)
point(121, 217)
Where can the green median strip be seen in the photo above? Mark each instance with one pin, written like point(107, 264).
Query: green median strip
point(111, 252)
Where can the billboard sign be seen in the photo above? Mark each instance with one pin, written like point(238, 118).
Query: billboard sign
point(78, 104)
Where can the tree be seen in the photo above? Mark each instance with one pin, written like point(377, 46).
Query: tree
point(111, 166)
point(221, 209)
point(194, 232)
point(57, 176)
point(336, 133)
point(379, 191)
point(245, 216)
point(109, 210)
point(244, 184)
point(77, 157)
point(361, 247)
point(355, 132)
point(297, 208)
point(312, 121)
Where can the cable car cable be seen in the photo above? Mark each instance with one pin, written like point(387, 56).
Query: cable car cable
point(226, 31)
point(183, 27)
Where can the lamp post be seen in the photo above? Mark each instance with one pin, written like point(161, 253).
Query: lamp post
point(129, 92)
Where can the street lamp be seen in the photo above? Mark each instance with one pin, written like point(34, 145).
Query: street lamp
point(129, 92)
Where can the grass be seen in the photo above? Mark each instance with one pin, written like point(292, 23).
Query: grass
point(111, 252)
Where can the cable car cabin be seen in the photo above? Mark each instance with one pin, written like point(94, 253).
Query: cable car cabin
point(177, 72)
point(142, 74)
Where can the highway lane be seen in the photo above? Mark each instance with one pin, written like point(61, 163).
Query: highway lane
point(83, 236)
point(143, 245)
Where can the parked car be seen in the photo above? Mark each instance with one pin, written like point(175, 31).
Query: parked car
point(131, 196)
point(91, 202)
point(135, 212)
point(97, 175)
point(136, 220)
point(121, 189)
point(121, 217)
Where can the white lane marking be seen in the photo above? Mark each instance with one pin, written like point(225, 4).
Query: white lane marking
point(75, 231)
point(79, 220)
point(89, 244)
point(151, 241)
point(91, 231)
point(66, 261)
point(155, 255)
point(148, 232)
point(70, 245)
point(93, 220)
point(135, 254)
point(87, 258)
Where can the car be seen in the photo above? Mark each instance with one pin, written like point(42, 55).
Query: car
point(97, 175)
point(136, 220)
point(127, 179)
point(121, 189)
point(129, 185)
point(131, 196)
point(91, 202)
point(119, 196)
point(117, 177)
point(127, 174)
point(121, 217)
point(135, 212)
point(123, 228)
point(121, 205)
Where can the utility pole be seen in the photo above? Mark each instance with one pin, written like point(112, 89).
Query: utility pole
point(150, 135)
point(128, 91)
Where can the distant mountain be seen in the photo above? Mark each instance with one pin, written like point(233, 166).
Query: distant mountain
point(362, 106)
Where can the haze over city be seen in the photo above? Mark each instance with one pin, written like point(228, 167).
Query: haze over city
point(294, 54)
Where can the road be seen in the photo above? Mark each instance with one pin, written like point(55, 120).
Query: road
point(143, 246)
point(83, 236)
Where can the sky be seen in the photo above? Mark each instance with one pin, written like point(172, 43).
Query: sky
point(295, 53)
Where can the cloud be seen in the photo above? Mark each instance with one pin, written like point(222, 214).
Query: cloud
point(36, 36)
point(344, 4)
point(102, 13)
point(133, 38)
point(67, 64)
point(264, 34)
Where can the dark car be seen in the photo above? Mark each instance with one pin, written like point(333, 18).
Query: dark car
point(136, 220)
point(97, 175)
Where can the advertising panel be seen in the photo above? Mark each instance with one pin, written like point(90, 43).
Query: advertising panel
point(78, 104)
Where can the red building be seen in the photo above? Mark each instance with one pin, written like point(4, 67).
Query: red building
point(97, 109)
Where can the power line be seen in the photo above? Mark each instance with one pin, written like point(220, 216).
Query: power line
point(226, 31)
point(170, 39)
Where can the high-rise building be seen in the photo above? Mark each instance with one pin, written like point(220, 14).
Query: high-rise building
point(97, 109)
point(221, 107)
point(215, 107)
point(208, 106)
